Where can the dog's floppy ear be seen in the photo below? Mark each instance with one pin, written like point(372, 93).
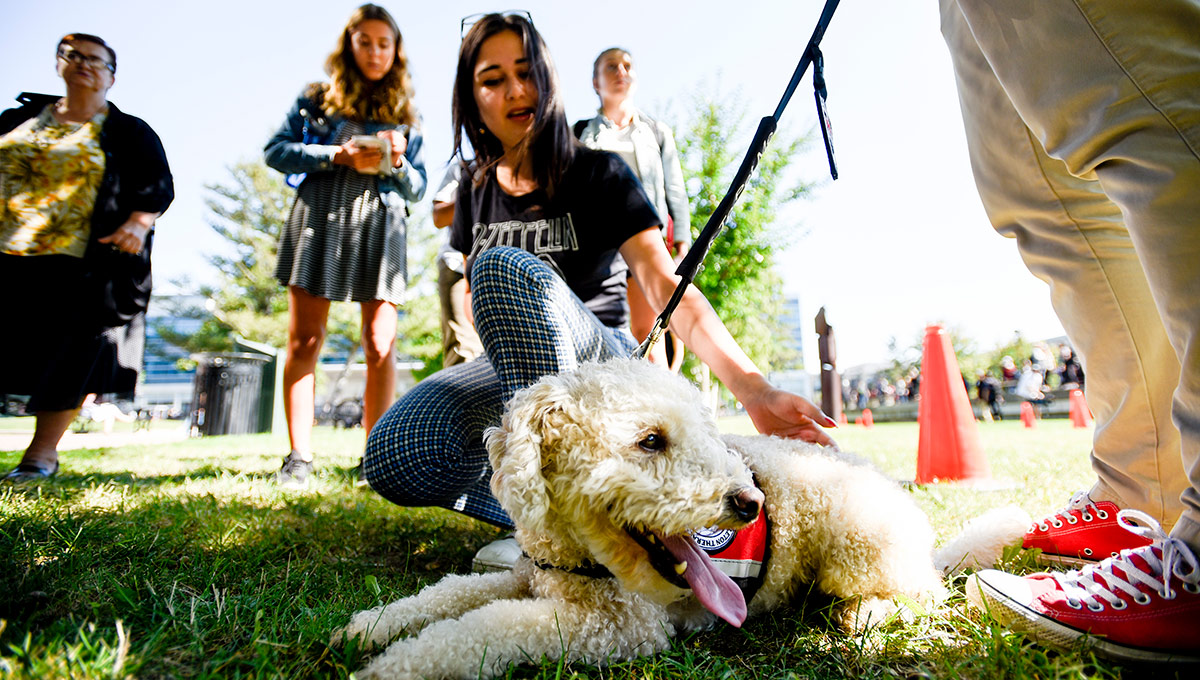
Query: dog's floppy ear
point(515, 451)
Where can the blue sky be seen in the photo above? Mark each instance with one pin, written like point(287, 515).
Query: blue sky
point(898, 241)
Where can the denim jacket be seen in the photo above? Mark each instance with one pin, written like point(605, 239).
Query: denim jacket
point(304, 144)
point(658, 167)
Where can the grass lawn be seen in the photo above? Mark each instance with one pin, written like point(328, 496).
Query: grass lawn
point(184, 561)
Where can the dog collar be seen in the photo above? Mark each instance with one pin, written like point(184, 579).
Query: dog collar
point(591, 569)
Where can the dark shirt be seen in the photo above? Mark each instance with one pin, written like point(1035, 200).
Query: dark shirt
point(136, 178)
point(136, 175)
point(597, 207)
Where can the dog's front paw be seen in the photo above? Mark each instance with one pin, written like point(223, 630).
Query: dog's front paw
point(857, 615)
point(368, 673)
point(366, 626)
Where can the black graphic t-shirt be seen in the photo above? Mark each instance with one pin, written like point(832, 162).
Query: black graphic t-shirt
point(597, 207)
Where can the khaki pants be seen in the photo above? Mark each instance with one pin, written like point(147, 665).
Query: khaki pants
point(460, 342)
point(1083, 124)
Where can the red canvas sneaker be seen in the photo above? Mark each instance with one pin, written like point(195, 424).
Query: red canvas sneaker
point(1143, 605)
point(1082, 533)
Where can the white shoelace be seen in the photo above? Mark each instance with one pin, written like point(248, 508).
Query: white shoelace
point(1080, 501)
point(1090, 585)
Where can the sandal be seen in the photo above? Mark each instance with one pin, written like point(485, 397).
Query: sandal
point(28, 472)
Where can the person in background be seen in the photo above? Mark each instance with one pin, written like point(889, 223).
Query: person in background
point(1042, 359)
point(1030, 383)
point(460, 342)
point(1070, 370)
point(345, 239)
point(105, 412)
point(549, 228)
point(989, 393)
point(648, 147)
point(1083, 126)
point(81, 186)
point(1008, 369)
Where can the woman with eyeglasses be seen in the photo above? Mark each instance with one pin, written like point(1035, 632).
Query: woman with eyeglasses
point(356, 139)
point(648, 147)
point(81, 185)
point(547, 226)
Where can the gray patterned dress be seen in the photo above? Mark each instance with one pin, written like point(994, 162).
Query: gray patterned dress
point(342, 241)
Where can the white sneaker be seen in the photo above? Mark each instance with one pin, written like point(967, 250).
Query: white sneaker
point(501, 555)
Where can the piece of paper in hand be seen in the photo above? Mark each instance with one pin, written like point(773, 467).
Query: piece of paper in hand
point(385, 150)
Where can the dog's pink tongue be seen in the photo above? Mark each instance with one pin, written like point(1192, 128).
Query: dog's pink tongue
point(716, 591)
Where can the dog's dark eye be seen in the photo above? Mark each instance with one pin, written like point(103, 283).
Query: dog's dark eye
point(653, 443)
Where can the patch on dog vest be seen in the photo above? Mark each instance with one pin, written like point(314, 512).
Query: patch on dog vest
point(741, 555)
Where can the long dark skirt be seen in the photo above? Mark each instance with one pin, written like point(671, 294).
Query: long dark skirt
point(50, 349)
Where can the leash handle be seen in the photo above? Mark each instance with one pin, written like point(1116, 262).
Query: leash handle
point(766, 128)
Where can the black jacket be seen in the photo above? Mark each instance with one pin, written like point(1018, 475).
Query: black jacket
point(136, 178)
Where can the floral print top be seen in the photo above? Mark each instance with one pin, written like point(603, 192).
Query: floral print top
point(50, 173)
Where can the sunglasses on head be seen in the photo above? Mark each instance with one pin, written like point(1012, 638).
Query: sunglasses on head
point(471, 20)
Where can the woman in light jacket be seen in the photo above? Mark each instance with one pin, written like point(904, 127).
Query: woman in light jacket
point(345, 239)
point(648, 148)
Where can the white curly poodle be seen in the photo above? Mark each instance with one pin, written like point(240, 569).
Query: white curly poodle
point(608, 472)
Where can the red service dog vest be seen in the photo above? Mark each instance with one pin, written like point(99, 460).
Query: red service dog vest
point(741, 555)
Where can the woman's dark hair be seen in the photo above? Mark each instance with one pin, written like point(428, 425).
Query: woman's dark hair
point(88, 37)
point(549, 146)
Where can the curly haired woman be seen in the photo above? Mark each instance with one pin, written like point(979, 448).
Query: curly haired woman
point(345, 239)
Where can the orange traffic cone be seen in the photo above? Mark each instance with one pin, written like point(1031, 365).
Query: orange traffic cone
point(1080, 414)
point(842, 420)
point(867, 420)
point(1027, 415)
point(949, 447)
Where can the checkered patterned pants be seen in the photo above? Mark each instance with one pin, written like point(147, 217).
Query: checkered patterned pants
point(428, 448)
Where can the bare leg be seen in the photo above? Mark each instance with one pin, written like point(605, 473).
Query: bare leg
point(379, 349)
point(48, 432)
point(307, 314)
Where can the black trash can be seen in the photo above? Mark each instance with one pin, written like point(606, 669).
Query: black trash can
point(266, 402)
point(226, 392)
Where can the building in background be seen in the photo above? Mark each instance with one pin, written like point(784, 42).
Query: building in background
point(164, 384)
point(795, 378)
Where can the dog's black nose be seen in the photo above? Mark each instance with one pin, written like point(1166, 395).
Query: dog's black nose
point(745, 503)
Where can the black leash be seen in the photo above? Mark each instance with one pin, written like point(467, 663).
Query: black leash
point(766, 128)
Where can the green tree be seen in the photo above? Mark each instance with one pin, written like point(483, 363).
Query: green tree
point(740, 277)
point(419, 335)
point(904, 359)
point(249, 211)
point(1019, 348)
point(971, 360)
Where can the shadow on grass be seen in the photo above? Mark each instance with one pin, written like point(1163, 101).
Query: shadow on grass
point(161, 555)
point(214, 572)
point(66, 481)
